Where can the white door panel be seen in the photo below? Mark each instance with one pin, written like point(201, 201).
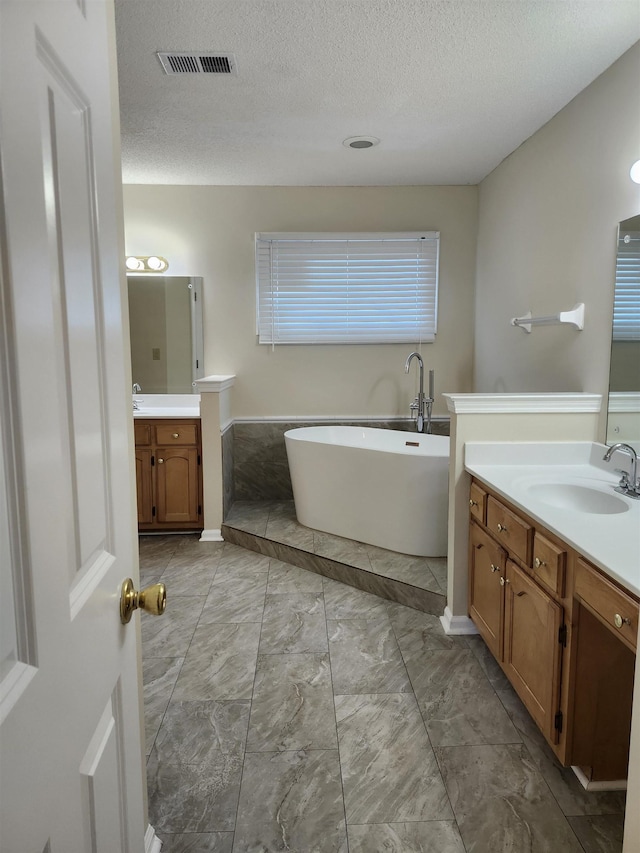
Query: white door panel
point(71, 756)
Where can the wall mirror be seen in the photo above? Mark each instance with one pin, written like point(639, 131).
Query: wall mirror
point(623, 422)
point(165, 317)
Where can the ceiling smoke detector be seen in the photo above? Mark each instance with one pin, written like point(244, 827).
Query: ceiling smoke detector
point(361, 142)
point(197, 62)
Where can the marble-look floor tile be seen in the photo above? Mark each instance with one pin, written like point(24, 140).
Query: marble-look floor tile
point(343, 550)
point(197, 842)
point(438, 566)
point(159, 676)
point(292, 705)
point(457, 702)
point(220, 663)
point(389, 771)
point(285, 578)
point(193, 797)
point(235, 560)
point(403, 567)
point(346, 602)
point(169, 635)
point(251, 516)
point(489, 664)
point(235, 599)
point(291, 801)
point(194, 732)
point(294, 624)
point(569, 793)
point(434, 836)
point(501, 802)
point(599, 834)
point(287, 530)
point(365, 657)
point(417, 631)
point(189, 575)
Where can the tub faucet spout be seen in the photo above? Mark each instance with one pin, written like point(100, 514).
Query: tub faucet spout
point(422, 402)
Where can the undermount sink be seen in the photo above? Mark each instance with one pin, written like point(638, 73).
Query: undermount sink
point(578, 498)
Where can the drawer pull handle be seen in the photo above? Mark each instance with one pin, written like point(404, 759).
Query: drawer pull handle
point(502, 528)
point(538, 562)
point(495, 568)
point(175, 435)
point(472, 502)
point(160, 461)
point(619, 620)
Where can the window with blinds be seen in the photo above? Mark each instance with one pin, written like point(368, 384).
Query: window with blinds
point(626, 303)
point(347, 288)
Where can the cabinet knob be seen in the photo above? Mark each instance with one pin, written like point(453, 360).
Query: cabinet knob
point(538, 562)
point(501, 528)
point(495, 568)
point(175, 435)
point(472, 502)
point(619, 620)
point(160, 461)
point(503, 581)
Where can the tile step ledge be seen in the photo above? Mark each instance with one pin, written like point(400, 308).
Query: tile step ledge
point(392, 590)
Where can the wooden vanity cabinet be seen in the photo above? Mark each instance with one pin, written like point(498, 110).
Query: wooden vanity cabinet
point(563, 633)
point(168, 474)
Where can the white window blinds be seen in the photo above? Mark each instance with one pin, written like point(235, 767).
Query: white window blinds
point(626, 304)
point(347, 288)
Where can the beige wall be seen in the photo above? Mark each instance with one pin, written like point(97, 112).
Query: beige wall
point(209, 231)
point(547, 236)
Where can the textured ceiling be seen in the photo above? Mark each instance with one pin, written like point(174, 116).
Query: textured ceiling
point(450, 87)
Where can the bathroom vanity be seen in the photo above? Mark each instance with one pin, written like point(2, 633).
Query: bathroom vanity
point(168, 449)
point(554, 590)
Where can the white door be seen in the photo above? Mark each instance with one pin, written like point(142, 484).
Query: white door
point(71, 760)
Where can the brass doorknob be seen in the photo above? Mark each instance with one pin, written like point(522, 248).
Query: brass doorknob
point(153, 599)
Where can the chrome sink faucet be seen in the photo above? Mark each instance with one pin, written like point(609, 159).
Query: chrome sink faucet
point(422, 402)
point(629, 483)
point(136, 389)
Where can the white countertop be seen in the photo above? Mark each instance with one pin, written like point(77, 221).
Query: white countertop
point(610, 541)
point(167, 406)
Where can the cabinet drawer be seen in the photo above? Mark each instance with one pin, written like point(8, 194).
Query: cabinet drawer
point(176, 433)
point(511, 530)
point(549, 563)
point(616, 609)
point(142, 433)
point(477, 502)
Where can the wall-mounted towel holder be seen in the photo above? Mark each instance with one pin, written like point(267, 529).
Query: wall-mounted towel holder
point(574, 317)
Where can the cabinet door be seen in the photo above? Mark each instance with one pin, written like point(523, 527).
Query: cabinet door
point(177, 484)
point(532, 648)
point(144, 486)
point(487, 562)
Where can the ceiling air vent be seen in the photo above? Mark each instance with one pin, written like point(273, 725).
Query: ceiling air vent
point(197, 63)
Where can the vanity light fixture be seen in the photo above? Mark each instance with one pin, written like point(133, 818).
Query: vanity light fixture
point(151, 263)
point(635, 172)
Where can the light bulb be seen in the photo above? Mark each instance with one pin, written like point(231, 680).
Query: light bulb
point(635, 172)
point(134, 264)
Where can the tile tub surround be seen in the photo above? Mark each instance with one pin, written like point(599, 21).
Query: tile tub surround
point(271, 528)
point(260, 467)
point(301, 753)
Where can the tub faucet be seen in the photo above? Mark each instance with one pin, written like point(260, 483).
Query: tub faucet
point(422, 402)
point(629, 483)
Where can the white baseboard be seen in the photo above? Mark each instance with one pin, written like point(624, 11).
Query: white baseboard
point(457, 624)
point(152, 843)
point(589, 785)
point(211, 536)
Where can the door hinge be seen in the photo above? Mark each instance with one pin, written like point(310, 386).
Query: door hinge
point(562, 635)
point(557, 722)
point(199, 509)
point(199, 463)
point(197, 363)
point(153, 461)
point(153, 511)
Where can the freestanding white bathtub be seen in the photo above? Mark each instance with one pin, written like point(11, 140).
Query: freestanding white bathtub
point(384, 487)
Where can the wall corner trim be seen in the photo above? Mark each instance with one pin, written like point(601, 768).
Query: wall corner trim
point(479, 404)
point(457, 624)
point(215, 383)
point(213, 535)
